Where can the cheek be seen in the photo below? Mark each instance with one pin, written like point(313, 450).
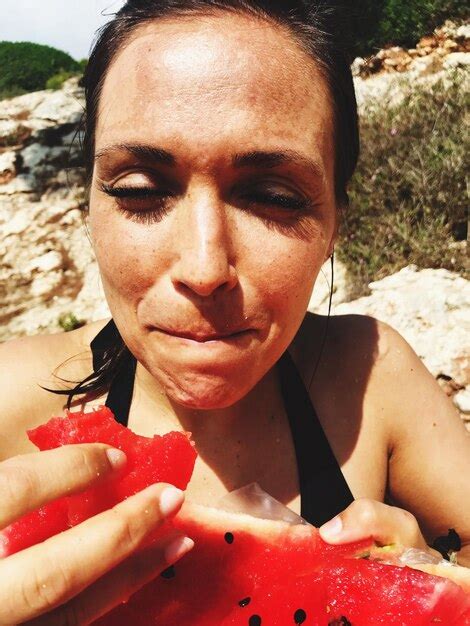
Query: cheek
point(285, 290)
point(128, 255)
point(283, 270)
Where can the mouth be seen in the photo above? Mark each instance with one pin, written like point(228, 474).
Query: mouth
point(205, 337)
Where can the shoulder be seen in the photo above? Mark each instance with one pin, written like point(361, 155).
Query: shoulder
point(376, 395)
point(341, 345)
point(367, 358)
point(28, 365)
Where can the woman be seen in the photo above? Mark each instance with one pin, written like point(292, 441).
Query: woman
point(220, 139)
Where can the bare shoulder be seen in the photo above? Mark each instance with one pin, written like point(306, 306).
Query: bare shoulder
point(354, 345)
point(341, 347)
point(380, 401)
point(28, 365)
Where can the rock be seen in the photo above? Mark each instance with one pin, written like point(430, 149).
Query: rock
point(463, 32)
point(462, 401)
point(50, 261)
point(427, 43)
point(450, 45)
point(7, 167)
point(456, 59)
point(13, 133)
point(430, 309)
point(17, 225)
point(59, 107)
point(21, 184)
point(357, 66)
point(448, 385)
point(321, 291)
point(36, 154)
point(21, 107)
point(426, 65)
point(46, 284)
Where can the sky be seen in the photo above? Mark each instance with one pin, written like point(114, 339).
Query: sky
point(65, 24)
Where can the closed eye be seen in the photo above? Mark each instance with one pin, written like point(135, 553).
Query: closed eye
point(144, 205)
point(134, 193)
point(277, 199)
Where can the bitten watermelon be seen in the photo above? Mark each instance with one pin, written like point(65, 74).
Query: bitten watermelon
point(245, 571)
point(169, 458)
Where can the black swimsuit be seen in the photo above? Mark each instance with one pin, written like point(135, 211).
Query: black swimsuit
point(324, 491)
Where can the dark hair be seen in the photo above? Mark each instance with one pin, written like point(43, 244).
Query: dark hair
point(318, 25)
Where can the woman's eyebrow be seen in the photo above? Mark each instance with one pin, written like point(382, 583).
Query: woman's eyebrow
point(140, 151)
point(263, 159)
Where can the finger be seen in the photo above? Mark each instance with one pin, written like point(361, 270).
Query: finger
point(118, 585)
point(368, 518)
point(30, 480)
point(51, 573)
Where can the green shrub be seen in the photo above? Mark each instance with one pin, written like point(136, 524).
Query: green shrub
point(69, 321)
point(27, 67)
point(377, 23)
point(408, 197)
point(56, 81)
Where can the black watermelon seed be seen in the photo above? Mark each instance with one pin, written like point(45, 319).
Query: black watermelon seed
point(300, 616)
point(169, 573)
point(229, 538)
point(255, 620)
point(244, 602)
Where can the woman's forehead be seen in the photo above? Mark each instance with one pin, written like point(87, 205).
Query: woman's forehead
point(227, 78)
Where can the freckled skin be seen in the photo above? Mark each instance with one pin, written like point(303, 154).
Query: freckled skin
point(204, 90)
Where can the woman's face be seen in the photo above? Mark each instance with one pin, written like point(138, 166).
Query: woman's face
point(212, 205)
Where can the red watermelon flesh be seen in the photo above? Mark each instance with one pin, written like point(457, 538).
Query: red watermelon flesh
point(302, 601)
point(34, 527)
point(368, 592)
point(169, 458)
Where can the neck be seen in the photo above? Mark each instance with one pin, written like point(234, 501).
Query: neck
point(226, 424)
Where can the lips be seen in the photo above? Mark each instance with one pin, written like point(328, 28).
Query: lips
point(204, 337)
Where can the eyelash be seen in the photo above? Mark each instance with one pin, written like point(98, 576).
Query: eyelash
point(148, 216)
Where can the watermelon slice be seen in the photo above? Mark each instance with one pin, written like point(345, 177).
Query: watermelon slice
point(169, 458)
point(245, 571)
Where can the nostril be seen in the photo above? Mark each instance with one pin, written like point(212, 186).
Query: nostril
point(205, 281)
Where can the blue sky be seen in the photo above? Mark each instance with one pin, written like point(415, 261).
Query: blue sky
point(65, 24)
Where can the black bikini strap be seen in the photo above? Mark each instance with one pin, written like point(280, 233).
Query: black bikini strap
point(324, 490)
point(122, 386)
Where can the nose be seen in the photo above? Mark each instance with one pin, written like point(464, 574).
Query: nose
point(204, 262)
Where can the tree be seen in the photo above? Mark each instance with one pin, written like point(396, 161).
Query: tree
point(27, 66)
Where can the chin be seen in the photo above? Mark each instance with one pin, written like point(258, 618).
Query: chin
point(205, 393)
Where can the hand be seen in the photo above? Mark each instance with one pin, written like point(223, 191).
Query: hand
point(80, 574)
point(386, 524)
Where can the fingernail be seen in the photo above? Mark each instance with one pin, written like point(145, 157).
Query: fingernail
point(116, 457)
point(171, 500)
point(332, 528)
point(177, 548)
